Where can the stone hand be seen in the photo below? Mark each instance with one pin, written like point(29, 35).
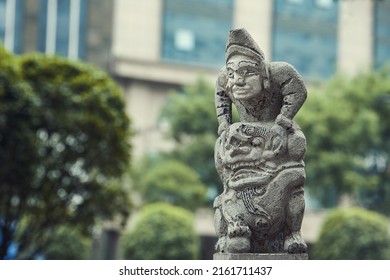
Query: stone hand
point(283, 121)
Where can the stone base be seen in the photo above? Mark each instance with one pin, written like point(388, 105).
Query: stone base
point(257, 256)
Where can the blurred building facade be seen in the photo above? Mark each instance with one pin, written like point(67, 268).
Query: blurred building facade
point(69, 28)
point(160, 45)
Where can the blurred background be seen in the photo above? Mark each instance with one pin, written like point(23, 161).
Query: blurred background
point(164, 55)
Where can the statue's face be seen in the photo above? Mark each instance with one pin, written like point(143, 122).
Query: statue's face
point(244, 77)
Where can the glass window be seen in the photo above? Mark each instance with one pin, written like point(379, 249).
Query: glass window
point(2, 20)
point(184, 40)
point(62, 27)
point(11, 19)
point(381, 33)
point(306, 37)
point(325, 3)
point(195, 31)
point(296, 1)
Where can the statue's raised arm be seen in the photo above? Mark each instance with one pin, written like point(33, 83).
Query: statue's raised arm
point(286, 80)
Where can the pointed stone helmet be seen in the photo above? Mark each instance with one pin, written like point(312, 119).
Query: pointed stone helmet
point(241, 42)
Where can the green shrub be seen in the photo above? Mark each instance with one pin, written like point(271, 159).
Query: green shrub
point(68, 244)
point(175, 183)
point(353, 234)
point(162, 232)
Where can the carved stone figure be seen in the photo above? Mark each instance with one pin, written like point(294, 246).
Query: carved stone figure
point(260, 158)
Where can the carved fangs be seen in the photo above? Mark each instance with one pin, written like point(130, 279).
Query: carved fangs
point(241, 165)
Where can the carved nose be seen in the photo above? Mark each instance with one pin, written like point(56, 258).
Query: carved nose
point(239, 81)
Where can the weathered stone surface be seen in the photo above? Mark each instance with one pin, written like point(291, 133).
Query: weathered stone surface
point(259, 158)
point(255, 256)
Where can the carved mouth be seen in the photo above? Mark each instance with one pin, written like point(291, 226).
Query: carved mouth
point(249, 179)
point(241, 91)
point(244, 173)
point(247, 174)
point(244, 165)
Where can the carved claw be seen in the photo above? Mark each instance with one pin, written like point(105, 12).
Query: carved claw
point(295, 244)
point(221, 244)
point(238, 245)
point(237, 230)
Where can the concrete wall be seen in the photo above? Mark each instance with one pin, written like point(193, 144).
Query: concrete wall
point(355, 37)
point(144, 102)
point(256, 17)
point(137, 26)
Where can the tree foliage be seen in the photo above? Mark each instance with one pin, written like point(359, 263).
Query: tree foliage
point(162, 232)
point(347, 126)
point(191, 112)
point(199, 155)
point(63, 145)
point(172, 182)
point(193, 124)
point(353, 234)
point(68, 244)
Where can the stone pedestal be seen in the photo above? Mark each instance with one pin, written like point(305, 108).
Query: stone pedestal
point(256, 256)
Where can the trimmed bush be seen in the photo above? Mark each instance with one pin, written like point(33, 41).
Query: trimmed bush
point(68, 244)
point(353, 234)
point(162, 232)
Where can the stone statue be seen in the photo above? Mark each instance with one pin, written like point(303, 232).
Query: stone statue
point(260, 158)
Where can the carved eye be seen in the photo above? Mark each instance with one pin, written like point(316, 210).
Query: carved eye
point(243, 72)
point(234, 142)
point(247, 71)
point(257, 142)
